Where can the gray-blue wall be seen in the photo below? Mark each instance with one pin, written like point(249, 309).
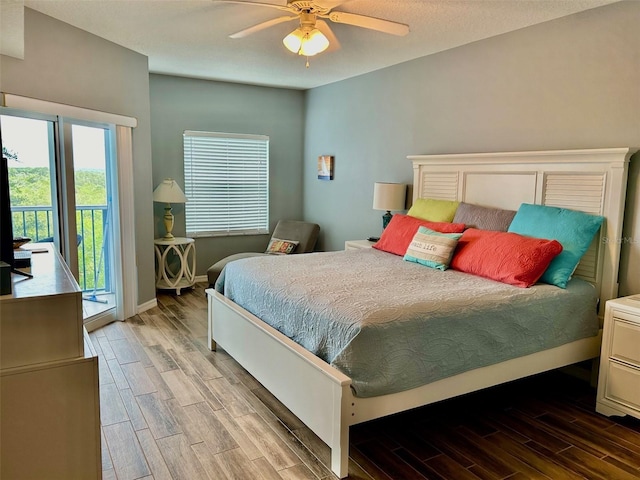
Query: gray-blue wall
point(569, 83)
point(179, 104)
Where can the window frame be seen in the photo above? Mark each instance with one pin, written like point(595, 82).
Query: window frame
point(222, 172)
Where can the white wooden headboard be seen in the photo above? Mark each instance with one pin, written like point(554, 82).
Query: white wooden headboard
point(593, 181)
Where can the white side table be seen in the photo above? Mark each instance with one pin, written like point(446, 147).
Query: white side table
point(357, 244)
point(171, 277)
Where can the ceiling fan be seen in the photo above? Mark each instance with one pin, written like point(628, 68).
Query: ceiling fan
point(314, 34)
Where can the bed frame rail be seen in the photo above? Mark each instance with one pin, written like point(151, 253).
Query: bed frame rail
point(308, 386)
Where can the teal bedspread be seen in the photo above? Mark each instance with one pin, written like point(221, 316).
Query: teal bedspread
point(393, 325)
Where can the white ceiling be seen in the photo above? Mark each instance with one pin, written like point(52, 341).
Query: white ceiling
point(191, 37)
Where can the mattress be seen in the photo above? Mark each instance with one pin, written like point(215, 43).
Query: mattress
point(392, 325)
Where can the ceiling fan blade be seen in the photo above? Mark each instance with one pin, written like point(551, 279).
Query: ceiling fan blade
point(257, 4)
point(324, 27)
point(386, 26)
point(261, 26)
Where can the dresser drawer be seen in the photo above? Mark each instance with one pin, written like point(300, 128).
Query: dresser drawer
point(623, 385)
point(625, 342)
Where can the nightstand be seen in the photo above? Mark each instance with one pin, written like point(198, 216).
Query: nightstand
point(178, 274)
point(357, 244)
point(619, 378)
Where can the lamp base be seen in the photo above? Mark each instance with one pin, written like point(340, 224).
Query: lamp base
point(386, 218)
point(168, 223)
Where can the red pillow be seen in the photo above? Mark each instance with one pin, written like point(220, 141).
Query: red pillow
point(504, 256)
point(402, 228)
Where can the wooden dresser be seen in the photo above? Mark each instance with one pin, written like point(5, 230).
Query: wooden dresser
point(49, 391)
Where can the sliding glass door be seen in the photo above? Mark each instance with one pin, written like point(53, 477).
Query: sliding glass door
point(91, 157)
point(61, 180)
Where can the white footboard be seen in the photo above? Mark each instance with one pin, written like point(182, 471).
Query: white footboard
point(319, 395)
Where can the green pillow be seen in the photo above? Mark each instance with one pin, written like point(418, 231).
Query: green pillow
point(573, 229)
point(432, 249)
point(433, 210)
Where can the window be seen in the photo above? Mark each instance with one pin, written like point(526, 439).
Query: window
point(226, 180)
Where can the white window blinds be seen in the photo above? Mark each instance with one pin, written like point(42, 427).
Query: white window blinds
point(226, 183)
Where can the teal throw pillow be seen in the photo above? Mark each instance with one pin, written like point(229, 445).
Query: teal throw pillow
point(573, 229)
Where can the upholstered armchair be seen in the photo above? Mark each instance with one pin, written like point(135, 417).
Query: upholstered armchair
point(305, 234)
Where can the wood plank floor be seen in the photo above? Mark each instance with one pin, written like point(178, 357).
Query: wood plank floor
point(171, 409)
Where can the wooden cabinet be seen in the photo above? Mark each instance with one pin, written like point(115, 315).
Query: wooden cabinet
point(50, 415)
point(619, 378)
point(42, 318)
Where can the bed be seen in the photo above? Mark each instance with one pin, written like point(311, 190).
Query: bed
point(316, 388)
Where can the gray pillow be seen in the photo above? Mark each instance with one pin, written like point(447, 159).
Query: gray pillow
point(484, 218)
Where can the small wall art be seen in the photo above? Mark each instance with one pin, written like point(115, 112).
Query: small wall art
point(325, 167)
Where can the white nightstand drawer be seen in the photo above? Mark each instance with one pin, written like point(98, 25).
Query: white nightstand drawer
point(623, 385)
point(619, 379)
point(625, 344)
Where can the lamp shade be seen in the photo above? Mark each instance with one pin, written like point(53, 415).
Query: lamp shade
point(313, 43)
point(389, 196)
point(293, 41)
point(169, 192)
point(306, 42)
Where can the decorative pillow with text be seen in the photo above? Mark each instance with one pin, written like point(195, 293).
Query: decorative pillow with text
point(432, 249)
point(401, 229)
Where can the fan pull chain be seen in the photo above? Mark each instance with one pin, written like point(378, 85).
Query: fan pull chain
point(307, 65)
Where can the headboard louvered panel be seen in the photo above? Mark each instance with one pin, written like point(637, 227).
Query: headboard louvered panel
point(579, 192)
point(593, 181)
point(442, 186)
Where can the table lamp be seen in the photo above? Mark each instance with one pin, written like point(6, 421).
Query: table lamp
point(389, 196)
point(168, 192)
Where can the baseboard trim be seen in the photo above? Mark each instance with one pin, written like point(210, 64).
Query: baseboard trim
point(201, 278)
point(100, 320)
point(147, 305)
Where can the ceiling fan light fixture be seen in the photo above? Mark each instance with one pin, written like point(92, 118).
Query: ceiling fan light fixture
point(313, 43)
point(307, 43)
point(293, 41)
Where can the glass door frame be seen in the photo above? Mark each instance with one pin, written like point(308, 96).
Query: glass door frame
point(63, 193)
point(112, 216)
point(125, 229)
point(54, 154)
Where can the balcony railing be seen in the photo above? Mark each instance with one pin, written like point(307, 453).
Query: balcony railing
point(36, 222)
